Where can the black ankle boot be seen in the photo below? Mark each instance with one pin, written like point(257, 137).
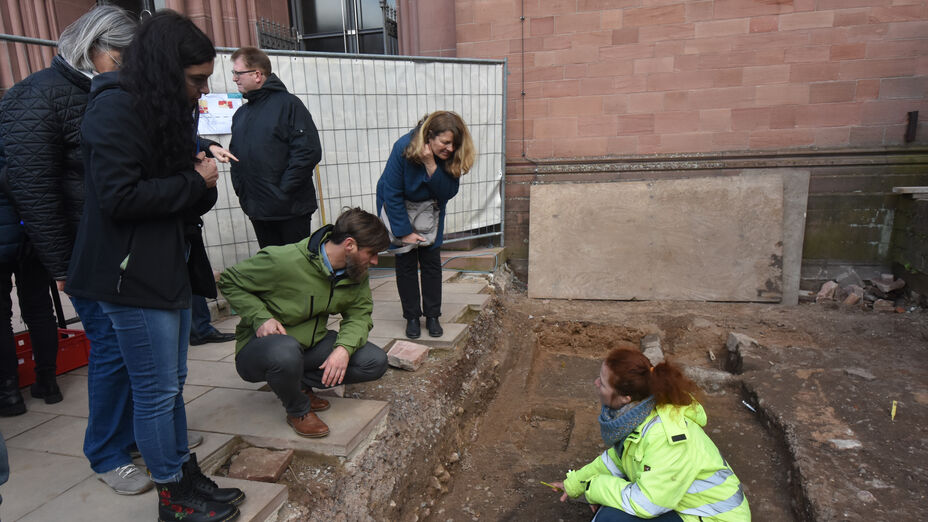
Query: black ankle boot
point(46, 388)
point(180, 501)
point(433, 326)
point(209, 489)
point(11, 400)
point(413, 330)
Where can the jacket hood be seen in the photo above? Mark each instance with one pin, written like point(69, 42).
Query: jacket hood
point(103, 82)
point(676, 415)
point(273, 84)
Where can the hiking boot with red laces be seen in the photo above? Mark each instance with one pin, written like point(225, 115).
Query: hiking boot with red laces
point(308, 425)
point(180, 501)
point(207, 488)
point(316, 403)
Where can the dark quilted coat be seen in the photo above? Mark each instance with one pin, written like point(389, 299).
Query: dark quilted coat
point(40, 120)
point(11, 232)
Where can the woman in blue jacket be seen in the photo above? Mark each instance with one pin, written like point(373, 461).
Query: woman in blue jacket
point(425, 164)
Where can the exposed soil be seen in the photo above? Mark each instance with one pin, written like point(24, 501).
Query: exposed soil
point(471, 433)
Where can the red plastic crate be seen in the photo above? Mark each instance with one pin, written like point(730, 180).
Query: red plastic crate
point(73, 351)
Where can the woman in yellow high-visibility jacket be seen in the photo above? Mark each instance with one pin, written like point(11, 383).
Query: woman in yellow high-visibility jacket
point(660, 464)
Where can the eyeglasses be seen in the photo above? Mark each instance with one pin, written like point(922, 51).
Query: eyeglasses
point(236, 74)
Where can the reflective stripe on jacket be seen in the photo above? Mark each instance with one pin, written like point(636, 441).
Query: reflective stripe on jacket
point(667, 464)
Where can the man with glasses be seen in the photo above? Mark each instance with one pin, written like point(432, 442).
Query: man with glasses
point(277, 146)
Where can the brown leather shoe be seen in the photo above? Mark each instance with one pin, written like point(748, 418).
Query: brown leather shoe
point(308, 425)
point(316, 402)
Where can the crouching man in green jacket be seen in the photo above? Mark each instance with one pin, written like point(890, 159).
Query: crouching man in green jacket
point(284, 295)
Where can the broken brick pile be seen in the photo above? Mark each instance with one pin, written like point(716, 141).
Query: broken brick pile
point(883, 294)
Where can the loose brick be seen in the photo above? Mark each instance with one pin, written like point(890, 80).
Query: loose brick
point(541, 26)
point(645, 103)
point(407, 355)
point(783, 94)
point(794, 21)
point(828, 92)
point(635, 124)
point(763, 24)
point(676, 122)
point(715, 120)
point(722, 28)
point(262, 465)
point(904, 88)
point(649, 16)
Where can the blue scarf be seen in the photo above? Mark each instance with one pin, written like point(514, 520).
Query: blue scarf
point(615, 425)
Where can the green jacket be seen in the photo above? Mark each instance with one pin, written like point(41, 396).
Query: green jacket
point(667, 463)
point(292, 284)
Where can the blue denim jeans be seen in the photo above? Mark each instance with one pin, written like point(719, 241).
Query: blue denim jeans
point(153, 344)
point(109, 422)
point(609, 514)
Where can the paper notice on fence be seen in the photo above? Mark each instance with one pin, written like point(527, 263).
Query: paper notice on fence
point(216, 112)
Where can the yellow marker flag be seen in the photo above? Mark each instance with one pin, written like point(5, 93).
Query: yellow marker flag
point(892, 414)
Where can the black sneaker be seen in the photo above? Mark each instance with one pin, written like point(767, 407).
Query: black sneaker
point(46, 388)
point(413, 330)
point(209, 489)
point(180, 501)
point(213, 337)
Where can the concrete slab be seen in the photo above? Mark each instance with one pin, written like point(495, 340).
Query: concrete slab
point(397, 330)
point(13, 426)
point(219, 374)
point(83, 503)
point(383, 342)
point(227, 325)
point(715, 239)
point(464, 287)
point(211, 351)
point(63, 435)
point(74, 389)
point(795, 202)
point(192, 391)
point(222, 411)
point(37, 477)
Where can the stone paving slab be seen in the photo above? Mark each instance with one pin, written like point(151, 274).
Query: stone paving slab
point(74, 389)
point(83, 503)
point(259, 418)
point(63, 435)
point(13, 426)
point(211, 351)
point(37, 477)
point(217, 374)
point(383, 342)
point(453, 332)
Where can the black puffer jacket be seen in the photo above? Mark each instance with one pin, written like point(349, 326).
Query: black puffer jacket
point(131, 243)
point(276, 142)
point(11, 232)
point(40, 120)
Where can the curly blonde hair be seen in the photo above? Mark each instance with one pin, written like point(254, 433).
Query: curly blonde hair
point(438, 122)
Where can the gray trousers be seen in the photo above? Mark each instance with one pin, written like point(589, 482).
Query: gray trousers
point(288, 369)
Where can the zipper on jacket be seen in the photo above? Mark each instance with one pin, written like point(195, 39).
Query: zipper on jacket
point(312, 299)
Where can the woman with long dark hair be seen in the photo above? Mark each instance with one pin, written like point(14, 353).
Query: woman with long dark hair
point(425, 166)
point(146, 178)
point(660, 464)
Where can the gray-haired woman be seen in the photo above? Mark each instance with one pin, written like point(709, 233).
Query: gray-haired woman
point(40, 120)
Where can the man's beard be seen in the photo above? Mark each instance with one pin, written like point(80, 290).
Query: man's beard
point(353, 268)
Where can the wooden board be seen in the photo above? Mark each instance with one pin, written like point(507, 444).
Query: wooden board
point(702, 239)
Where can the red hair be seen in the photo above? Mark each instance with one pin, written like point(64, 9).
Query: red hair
point(631, 373)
